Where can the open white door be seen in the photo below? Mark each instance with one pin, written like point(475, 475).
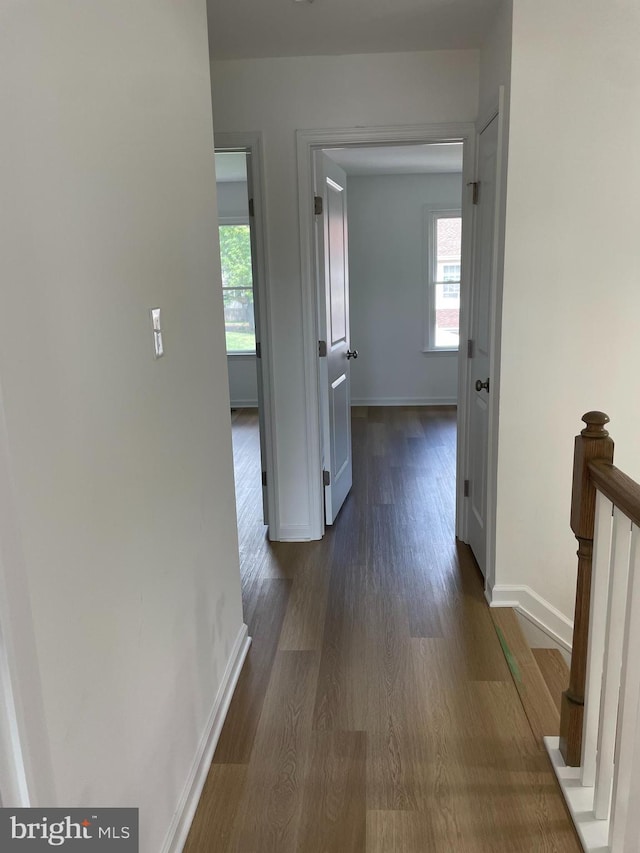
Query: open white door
point(334, 352)
point(254, 212)
point(481, 332)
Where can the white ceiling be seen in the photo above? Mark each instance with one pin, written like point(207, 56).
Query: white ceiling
point(258, 28)
point(231, 166)
point(399, 160)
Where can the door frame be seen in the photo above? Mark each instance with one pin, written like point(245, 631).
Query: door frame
point(308, 141)
point(252, 142)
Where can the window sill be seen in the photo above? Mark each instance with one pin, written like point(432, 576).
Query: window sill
point(247, 354)
point(441, 351)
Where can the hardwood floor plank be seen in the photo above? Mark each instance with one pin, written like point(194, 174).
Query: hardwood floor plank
point(238, 733)
point(341, 696)
point(303, 626)
point(468, 623)
point(248, 491)
point(217, 810)
point(334, 806)
point(393, 771)
point(554, 671)
point(488, 785)
point(269, 813)
point(540, 709)
point(400, 832)
point(376, 710)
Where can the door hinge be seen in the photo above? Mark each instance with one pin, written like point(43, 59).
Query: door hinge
point(317, 205)
point(469, 348)
point(258, 349)
point(466, 488)
point(322, 349)
point(264, 478)
point(252, 210)
point(326, 478)
point(475, 192)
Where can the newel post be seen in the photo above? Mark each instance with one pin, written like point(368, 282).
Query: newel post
point(592, 443)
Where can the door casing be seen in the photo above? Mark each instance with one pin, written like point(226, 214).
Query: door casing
point(252, 143)
point(307, 142)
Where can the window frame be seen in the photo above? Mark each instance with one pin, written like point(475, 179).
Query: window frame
point(431, 214)
point(238, 220)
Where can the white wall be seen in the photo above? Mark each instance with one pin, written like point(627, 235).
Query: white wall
point(243, 379)
point(571, 305)
point(278, 96)
point(121, 465)
point(387, 283)
point(495, 59)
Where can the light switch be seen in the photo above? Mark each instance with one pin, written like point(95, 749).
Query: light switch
point(158, 346)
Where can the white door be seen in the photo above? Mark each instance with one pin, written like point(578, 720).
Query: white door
point(334, 345)
point(480, 334)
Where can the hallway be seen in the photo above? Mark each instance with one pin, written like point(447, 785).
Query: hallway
point(375, 711)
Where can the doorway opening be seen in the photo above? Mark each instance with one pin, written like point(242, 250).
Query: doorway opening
point(388, 231)
point(477, 312)
point(243, 267)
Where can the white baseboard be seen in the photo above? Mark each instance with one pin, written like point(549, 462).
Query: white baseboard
point(404, 401)
point(292, 533)
point(594, 834)
point(183, 817)
point(537, 610)
point(244, 404)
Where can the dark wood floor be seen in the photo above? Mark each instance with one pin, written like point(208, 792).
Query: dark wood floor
point(375, 711)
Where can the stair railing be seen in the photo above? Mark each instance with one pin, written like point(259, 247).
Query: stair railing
point(600, 719)
point(592, 443)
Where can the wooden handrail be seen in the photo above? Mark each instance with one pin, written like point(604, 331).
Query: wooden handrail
point(600, 715)
point(621, 490)
point(592, 444)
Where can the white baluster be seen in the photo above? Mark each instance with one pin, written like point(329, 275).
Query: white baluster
point(624, 830)
point(597, 625)
point(611, 671)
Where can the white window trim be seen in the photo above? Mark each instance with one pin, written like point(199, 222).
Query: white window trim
point(429, 214)
point(233, 220)
point(237, 220)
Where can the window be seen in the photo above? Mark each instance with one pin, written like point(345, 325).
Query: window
point(451, 272)
point(444, 233)
point(237, 288)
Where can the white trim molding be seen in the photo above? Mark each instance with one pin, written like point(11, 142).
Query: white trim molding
point(252, 142)
point(233, 220)
point(594, 834)
point(536, 609)
point(296, 533)
point(404, 401)
point(183, 817)
point(244, 404)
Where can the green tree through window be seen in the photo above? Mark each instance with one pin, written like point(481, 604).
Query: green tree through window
point(237, 288)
